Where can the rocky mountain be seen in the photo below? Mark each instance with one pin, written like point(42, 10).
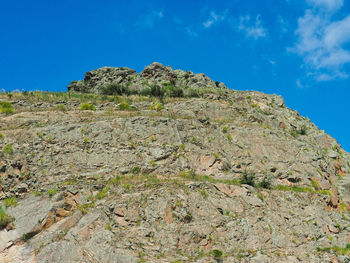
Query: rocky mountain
point(167, 166)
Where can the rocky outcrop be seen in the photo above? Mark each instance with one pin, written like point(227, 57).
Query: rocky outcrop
point(232, 177)
point(95, 81)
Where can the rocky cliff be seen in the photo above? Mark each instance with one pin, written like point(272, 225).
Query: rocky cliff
point(167, 166)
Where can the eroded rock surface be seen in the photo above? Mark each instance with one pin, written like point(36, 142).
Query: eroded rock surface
point(164, 184)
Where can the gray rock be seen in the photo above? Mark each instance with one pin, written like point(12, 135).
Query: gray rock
point(109, 192)
point(332, 154)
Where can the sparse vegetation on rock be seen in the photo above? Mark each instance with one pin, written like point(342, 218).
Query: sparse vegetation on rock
point(170, 167)
point(8, 149)
point(87, 106)
point(5, 219)
point(6, 107)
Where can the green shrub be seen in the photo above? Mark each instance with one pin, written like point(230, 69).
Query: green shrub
point(85, 207)
point(102, 193)
point(177, 92)
point(157, 91)
point(61, 107)
point(173, 91)
point(11, 201)
point(167, 90)
point(6, 107)
point(87, 106)
point(124, 106)
point(260, 196)
point(5, 219)
point(51, 192)
point(108, 226)
point(37, 193)
point(248, 178)
point(193, 93)
point(204, 193)
point(217, 254)
point(302, 130)
point(146, 92)
point(157, 106)
point(1, 136)
point(224, 129)
point(8, 149)
point(294, 133)
point(115, 89)
point(136, 169)
point(265, 183)
point(116, 180)
point(297, 132)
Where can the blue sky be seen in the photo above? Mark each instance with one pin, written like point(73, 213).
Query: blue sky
point(299, 49)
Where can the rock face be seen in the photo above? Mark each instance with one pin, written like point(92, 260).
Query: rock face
point(94, 81)
point(232, 176)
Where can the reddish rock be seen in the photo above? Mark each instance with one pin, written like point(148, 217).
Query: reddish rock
point(121, 221)
point(337, 165)
point(119, 212)
point(231, 190)
point(168, 216)
point(61, 212)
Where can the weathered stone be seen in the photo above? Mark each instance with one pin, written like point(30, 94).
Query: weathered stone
point(332, 154)
point(160, 186)
point(22, 188)
point(168, 215)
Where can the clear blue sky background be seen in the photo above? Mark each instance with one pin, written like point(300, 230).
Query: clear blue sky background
point(299, 49)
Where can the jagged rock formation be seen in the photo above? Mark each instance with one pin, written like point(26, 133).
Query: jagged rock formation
point(94, 81)
point(229, 177)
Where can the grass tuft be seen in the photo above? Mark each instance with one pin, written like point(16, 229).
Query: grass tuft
point(11, 201)
point(6, 107)
point(87, 106)
point(5, 219)
point(337, 250)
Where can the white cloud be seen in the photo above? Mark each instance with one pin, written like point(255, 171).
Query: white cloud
point(215, 18)
point(190, 32)
point(299, 84)
point(283, 24)
point(330, 5)
point(150, 19)
point(337, 33)
point(321, 41)
point(252, 29)
point(327, 77)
